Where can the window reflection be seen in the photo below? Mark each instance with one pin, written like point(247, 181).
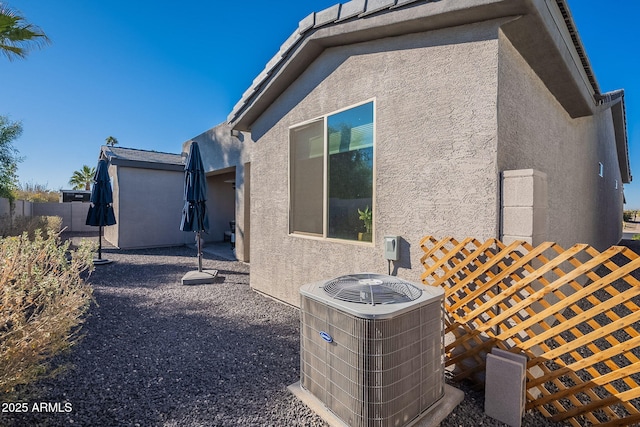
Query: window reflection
point(350, 173)
point(347, 157)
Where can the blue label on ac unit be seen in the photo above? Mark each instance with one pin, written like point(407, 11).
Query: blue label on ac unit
point(325, 336)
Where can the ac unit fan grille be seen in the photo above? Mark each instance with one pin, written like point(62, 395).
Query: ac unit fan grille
point(371, 289)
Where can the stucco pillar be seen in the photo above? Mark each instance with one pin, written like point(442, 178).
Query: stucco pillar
point(524, 206)
point(525, 217)
point(242, 211)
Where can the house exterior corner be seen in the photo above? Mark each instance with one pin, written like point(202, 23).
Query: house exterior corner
point(440, 118)
point(433, 97)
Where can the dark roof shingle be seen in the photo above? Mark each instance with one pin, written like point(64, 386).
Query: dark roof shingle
point(140, 158)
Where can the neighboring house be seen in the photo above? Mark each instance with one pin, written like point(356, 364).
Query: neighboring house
point(148, 188)
point(476, 118)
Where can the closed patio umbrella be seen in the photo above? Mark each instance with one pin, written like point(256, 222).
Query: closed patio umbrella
point(100, 212)
point(194, 212)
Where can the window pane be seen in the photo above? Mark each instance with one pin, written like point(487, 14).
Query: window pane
point(307, 176)
point(350, 172)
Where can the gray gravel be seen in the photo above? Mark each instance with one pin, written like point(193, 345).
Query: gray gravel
point(156, 353)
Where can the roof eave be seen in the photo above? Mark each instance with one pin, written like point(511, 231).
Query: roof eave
point(146, 165)
point(579, 46)
point(337, 26)
point(556, 55)
point(112, 158)
point(615, 101)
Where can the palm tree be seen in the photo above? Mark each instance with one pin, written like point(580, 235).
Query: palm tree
point(81, 179)
point(111, 141)
point(17, 36)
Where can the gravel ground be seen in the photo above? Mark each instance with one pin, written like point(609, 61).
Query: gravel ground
point(156, 353)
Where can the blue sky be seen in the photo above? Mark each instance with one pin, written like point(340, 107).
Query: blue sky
point(156, 73)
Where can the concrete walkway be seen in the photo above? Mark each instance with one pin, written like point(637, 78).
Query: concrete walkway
point(222, 250)
point(630, 229)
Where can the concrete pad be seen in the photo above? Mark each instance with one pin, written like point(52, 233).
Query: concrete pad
point(220, 250)
point(505, 389)
point(199, 277)
point(432, 417)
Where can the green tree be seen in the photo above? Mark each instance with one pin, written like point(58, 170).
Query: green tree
point(9, 158)
point(81, 179)
point(17, 36)
point(111, 141)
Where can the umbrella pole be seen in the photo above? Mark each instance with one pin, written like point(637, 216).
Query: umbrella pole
point(199, 252)
point(100, 242)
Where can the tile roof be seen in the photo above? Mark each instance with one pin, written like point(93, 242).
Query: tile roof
point(121, 154)
point(357, 9)
point(615, 101)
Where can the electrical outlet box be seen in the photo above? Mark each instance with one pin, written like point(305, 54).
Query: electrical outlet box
point(392, 248)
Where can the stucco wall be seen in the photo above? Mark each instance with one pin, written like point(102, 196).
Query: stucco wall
point(149, 208)
point(5, 206)
point(221, 152)
point(435, 170)
point(20, 207)
point(221, 205)
point(535, 132)
point(74, 214)
point(112, 232)
point(23, 208)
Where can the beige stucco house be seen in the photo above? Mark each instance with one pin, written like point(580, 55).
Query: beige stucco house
point(148, 188)
point(474, 118)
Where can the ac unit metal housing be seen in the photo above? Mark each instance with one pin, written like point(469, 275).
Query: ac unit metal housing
point(372, 348)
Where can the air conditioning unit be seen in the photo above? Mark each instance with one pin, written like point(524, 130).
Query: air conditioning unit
point(372, 348)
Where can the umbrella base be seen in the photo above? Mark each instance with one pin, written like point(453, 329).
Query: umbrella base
point(199, 277)
point(101, 261)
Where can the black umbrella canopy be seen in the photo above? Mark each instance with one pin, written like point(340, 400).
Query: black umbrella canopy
point(194, 212)
point(101, 211)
